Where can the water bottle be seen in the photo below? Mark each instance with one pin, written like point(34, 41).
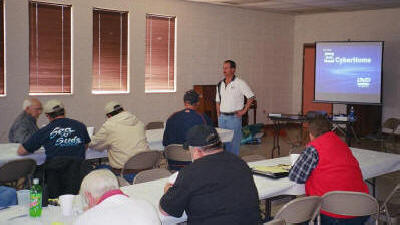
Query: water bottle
point(35, 209)
point(351, 115)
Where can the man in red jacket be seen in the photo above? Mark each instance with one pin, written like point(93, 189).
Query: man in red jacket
point(327, 164)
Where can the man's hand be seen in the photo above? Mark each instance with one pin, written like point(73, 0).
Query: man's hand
point(22, 150)
point(167, 187)
point(240, 113)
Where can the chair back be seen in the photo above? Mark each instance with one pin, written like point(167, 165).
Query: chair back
point(142, 161)
point(177, 153)
point(177, 157)
point(300, 210)
point(154, 125)
point(391, 205)
point(252, 158)
point(12, 171)
point(349, 203)
point(276, 222)
point(150, 175)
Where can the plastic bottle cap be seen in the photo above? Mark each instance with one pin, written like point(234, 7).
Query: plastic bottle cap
point(35, 180)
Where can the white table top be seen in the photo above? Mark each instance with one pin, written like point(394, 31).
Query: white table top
point(154, 137)
point(372, 164)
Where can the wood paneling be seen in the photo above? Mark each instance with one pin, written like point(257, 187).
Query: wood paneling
point(309, 81)
point(110, 51)
point(49, 48)
point(160, 54)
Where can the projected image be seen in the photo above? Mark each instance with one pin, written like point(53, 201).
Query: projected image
point(348, 72)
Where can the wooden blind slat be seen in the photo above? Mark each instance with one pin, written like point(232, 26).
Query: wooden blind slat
point(2, 85)
point(49, 48)
point(160, 50)
point(110, 51)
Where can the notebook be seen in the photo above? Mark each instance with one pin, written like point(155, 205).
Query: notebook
point(277, 171)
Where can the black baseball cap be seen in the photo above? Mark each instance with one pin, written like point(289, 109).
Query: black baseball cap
point(202, 136)
point(191, 96)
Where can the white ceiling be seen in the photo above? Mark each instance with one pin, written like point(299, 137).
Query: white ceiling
point(306, 6)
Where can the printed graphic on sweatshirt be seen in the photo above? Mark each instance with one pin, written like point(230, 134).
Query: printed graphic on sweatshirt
point(65, 137)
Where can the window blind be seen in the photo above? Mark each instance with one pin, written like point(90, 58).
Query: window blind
point(110, 51)
point(160, 53)
point(49, 48)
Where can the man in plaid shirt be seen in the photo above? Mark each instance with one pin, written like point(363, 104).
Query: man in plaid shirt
point(327, 164)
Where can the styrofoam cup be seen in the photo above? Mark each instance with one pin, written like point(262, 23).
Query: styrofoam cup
point(293, 158)
point(23, 198)
point(66, 202)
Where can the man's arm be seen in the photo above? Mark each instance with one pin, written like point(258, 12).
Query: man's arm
point(99, 140)
point(176, 196)
point(304, 165)
point(246, 107)
point(22, 133)
point(22, 150)
point(217, 100)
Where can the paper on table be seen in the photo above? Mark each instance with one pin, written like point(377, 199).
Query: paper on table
point(90, 131)
point(271, 169)
point(172, 178)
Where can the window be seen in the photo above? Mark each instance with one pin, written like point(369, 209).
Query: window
point(160, 54)
point(110, 52)
point(2, 78)
point(49, 48)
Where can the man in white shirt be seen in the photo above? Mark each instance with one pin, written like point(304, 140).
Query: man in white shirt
point(230, 104)
point(107, 204)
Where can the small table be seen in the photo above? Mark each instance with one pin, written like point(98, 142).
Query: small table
point(277, 120)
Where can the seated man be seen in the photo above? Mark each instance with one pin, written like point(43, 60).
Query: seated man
point(217, 188)
point(107, 204)
point(180, 122)
point(122, 134)
point(24, 125)
point(8, 196)
point(61, 137)
point(327, 164)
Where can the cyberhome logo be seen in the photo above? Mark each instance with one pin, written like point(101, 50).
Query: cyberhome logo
point(329, 57)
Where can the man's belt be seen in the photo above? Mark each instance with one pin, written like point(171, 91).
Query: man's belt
point(228, 113)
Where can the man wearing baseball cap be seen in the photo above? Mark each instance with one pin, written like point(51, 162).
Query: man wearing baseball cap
point(180, 122)
point(217, 188)
point(122, 134)
point(61, 137)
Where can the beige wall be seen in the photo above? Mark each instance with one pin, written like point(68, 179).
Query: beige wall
point(380, 25)
point(261, 43)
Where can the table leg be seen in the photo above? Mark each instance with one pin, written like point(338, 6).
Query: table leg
point(373, 184)
point(276, 145)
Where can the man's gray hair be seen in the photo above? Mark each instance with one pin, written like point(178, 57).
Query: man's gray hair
point(97, 183)
point(26, 104)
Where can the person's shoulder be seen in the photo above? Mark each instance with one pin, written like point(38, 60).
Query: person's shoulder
point(74, 122)
point(175, 115)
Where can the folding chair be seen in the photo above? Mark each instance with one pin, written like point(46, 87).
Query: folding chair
point(150, 175)
point(300, 210)
point(350, 203)
point(12, 171)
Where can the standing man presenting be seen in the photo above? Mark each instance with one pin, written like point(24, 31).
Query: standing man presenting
point(230, 104)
